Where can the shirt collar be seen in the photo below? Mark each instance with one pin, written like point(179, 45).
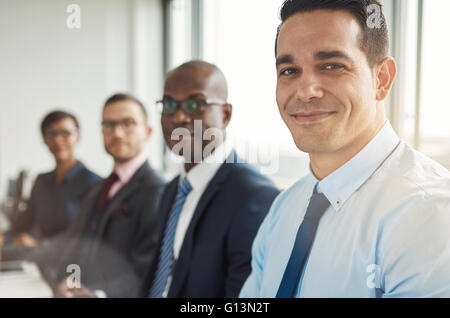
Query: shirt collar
point(73, 172)
point(342, 183)
point(202, 173)
point(126, 170)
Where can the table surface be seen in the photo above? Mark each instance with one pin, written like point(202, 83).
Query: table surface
point(24, 281)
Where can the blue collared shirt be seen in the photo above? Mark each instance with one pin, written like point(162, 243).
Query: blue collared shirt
point(385, 234)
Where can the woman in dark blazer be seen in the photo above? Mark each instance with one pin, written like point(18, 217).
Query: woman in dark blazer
point(56, 195)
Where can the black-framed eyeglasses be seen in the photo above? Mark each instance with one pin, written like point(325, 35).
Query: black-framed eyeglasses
point(191, 107)
point(127, 125)
point(51, 134)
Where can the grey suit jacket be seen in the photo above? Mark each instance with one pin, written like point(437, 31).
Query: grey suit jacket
point(117, 257)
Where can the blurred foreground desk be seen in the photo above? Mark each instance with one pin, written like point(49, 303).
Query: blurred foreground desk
point(22, 280)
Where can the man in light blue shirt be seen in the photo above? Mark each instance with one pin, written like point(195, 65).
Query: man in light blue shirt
point(386, 232)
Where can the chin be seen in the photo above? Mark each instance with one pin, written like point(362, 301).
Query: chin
point(62, 158)
point(314, 145)
point(122, 159)
point(119, 156)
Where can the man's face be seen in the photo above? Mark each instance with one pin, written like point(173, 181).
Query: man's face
point(125, 130)
point(193, 84)
point(326, 91)
point(61, 138)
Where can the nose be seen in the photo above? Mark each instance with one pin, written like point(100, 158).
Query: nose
point(59, 139)
point(180, 117)
point(308, 87)
point(117, 131)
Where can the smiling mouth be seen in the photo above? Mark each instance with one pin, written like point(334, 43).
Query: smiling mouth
point(59, 149)
point(311, 117)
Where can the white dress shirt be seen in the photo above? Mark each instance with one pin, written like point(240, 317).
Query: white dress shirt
point(385, 234)
point(199, 177)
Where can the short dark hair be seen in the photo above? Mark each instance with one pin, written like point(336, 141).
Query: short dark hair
point(54, 117)
point(374, 41)
point(120, 97)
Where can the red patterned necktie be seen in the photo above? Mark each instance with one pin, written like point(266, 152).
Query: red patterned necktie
point(106, 187)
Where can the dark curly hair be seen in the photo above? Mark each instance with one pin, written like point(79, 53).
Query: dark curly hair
point(54, 117)
point(374, 41)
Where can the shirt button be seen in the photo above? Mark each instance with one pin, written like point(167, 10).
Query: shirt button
point(338, 202)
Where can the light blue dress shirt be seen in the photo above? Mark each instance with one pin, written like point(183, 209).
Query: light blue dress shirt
point(385, 234)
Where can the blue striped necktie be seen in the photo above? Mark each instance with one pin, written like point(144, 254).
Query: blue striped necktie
point(305, 237)
point(166, 253)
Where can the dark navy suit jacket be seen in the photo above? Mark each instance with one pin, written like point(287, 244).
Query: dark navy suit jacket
point(214, 260)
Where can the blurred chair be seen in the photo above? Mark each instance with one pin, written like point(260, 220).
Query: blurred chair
point(16, 201)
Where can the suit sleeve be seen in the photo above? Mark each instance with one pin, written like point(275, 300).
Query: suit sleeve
point(242, 233)
point(143, 250)
point(252, 285)
point(55, 253)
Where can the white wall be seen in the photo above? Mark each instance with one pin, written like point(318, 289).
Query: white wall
point(45, 65)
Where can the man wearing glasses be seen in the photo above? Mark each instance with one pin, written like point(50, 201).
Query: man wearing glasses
point(211, 212)
point(114, 238)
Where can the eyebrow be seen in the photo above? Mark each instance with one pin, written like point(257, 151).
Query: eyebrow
point(284, 59)
point(121, 119)
point(326, 55)
point(190, 96)
point(320, 56)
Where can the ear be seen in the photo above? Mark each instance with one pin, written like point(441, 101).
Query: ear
point(227, 110)
point(385, 74)
point(78, 136)
point(46, 142)
point(148, 131)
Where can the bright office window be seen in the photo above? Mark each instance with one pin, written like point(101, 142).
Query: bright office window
point(239, 36)
point(404, 89)
point(179, 33)
point(435, 105)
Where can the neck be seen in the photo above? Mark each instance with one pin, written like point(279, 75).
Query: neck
point(324, 164)
point(189, 166)
point(118, 162)
point(63, 167)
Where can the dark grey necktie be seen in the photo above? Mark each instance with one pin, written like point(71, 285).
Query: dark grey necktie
point(305, 237)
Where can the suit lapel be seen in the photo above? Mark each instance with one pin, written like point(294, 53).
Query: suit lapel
point(168, 198)
point(85, 215)
point(77, 229)
point(115, 203)
point(183, 261)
